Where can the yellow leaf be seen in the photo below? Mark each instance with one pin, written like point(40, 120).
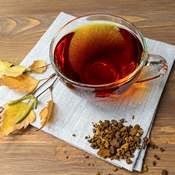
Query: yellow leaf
point(46, 113)
point(23, 83)
point(11, 70)
point(38, 66)
point(14, 113)
point(27, 121)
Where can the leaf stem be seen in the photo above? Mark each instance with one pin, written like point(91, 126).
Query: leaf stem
point(50, 87)
point(51, 95)
point(1, 109)
point(39, 87)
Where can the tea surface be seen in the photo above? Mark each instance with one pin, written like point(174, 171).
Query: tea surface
point(98, 53)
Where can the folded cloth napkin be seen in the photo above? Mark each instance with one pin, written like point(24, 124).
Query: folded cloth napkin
point(75, 114)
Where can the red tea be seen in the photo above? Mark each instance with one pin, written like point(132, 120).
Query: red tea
point(98, 53)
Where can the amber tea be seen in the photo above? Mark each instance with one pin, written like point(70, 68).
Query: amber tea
point(98, 53)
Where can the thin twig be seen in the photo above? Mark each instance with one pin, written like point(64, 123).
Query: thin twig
point(39, 87)
point(51, 95)
point(1, 109)
point(47, 88)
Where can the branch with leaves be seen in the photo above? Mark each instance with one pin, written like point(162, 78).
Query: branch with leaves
point(18, 77)
point(18, 114)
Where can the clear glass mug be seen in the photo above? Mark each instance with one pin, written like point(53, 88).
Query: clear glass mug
point(157, 62)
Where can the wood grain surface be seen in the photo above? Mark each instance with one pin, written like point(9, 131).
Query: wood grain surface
point(22, 23)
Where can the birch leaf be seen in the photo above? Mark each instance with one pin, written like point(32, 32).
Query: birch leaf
point(11, 70)
point(38, 66)
point(23, 83)
point(27, 121)
point(14, 113)
point(46, 113)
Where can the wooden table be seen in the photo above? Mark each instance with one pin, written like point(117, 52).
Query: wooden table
point(35, 153)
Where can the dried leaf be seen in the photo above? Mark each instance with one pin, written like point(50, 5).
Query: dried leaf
point(11, 70)
point(46, 113)
point(14, 113)
point(23, 83)
point(38, 66)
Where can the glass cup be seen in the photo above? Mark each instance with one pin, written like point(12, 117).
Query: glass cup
point(157, 62)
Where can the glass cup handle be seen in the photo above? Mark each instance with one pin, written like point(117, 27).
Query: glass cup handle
point(159, 63)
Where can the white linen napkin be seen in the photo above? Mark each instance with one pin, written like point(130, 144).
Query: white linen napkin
point(75, 114)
